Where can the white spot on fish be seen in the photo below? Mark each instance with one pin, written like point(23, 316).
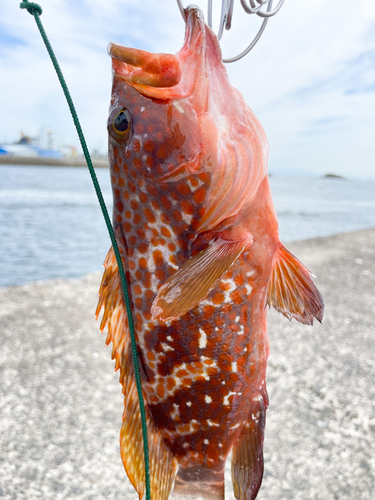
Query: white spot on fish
point(248, 289)
point(142, 109)
point(234, 426)
point(189, 403)
point(250, 273)
point(226, 398)
point(175, 415)
point(150, 263)
point(166, 347)
point(207, 399)
point(206, 441)
point(183, 429)
point(202, 339)
point(172, 264)
point(196, 184)
point(186, 217)
point(178, 106)
point(232, 287)
point(234, 367)
point(237, 319)
point(210, 423)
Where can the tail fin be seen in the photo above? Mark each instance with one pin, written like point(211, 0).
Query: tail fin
point(291, 289)
point(198, 490)
point(163, 465)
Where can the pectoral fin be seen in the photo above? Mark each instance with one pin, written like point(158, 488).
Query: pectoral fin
point(194, 280)
point(247, 455)
point(291, 289)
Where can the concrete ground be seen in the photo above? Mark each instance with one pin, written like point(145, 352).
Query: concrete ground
point(61, 403)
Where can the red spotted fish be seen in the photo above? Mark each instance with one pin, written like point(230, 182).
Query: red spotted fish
point(198, 236)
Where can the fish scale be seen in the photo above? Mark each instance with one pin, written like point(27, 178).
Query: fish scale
point(198, 236)
point(167, 385)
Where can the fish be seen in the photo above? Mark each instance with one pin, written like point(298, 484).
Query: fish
point(198, 237)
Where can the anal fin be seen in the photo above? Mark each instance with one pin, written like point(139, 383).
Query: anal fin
point(291, 289)
point(247, 455)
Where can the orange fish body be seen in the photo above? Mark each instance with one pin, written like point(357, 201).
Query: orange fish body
point(198, 235)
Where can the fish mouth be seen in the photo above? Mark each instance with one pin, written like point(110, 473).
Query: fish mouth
point(144, 68)
point(163, 76)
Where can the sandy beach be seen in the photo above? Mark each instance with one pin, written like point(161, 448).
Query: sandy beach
point(61, 403)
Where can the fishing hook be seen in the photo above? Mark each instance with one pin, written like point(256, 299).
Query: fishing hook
point(250, 7)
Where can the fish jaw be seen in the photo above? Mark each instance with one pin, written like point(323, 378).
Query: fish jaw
point(141, 67)
point(166, 76)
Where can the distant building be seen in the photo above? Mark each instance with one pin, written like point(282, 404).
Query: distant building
point(25, 139)
point(34, 147)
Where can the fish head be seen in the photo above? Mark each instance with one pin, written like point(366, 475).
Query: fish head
point(177, 116)
point(157, 105)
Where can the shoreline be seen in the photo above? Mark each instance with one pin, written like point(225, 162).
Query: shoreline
point(289, 244)
point(52, 162)
point(62, 404)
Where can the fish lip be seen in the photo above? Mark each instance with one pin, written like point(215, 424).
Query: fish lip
point(141, 68)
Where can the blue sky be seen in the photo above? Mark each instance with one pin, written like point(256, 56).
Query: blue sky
point(310, 80)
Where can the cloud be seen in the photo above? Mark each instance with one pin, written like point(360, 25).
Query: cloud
point(310, 79)
point(361, 77)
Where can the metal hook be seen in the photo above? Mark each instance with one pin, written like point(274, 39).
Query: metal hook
point(253, 7)
point(182, 10)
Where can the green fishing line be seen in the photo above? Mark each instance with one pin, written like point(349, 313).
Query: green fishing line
point(35, 10)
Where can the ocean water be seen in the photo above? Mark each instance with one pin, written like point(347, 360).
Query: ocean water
point(51, 225)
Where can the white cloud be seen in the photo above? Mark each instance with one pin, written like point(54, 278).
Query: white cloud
point(310, 79)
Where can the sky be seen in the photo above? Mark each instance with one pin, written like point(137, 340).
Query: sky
point(310, 80)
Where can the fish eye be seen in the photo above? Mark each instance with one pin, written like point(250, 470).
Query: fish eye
point(119, 123)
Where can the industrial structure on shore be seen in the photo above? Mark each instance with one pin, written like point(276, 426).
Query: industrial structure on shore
point(42, 150)
point(42, 146)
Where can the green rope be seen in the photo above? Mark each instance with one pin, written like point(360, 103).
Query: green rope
point(35, 10)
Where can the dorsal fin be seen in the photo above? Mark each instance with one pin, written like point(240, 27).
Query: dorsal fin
point(163, 465)
point(291, 289)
